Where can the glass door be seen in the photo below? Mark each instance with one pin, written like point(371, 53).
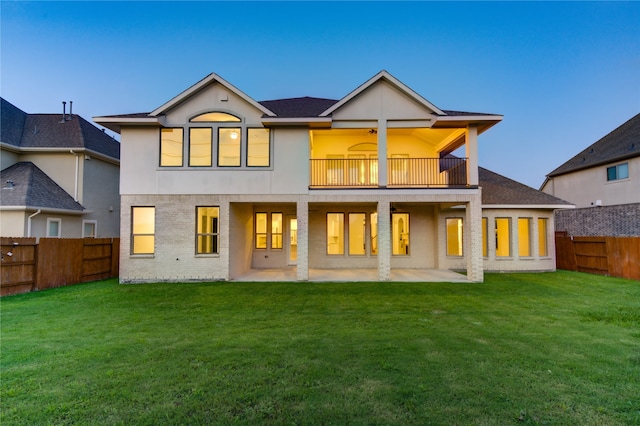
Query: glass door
point(293, 240)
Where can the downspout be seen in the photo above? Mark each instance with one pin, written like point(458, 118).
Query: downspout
point(29, 222)
point(75, 191)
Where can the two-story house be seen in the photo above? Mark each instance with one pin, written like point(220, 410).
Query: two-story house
point(215, 184)
point(59, 176)
point(603, 181)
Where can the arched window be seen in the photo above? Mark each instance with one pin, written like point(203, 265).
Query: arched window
point(215, 116)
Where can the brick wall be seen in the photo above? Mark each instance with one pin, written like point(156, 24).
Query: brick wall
point(611, 221)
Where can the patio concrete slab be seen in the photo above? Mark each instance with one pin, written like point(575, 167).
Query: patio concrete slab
point(352, 275)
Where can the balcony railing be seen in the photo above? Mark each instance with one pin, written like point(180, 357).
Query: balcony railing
point(401, 173)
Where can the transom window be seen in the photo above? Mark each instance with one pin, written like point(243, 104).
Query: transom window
point(617, 172)
point(215, 116)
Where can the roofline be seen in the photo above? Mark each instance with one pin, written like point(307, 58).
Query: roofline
point(391, 79)
point(201, 84)
point(298, 121)
point(96, 154)
point(484, 122)
point(529, 206)
point(589, 166)
point(115, 123)
point(44, 210)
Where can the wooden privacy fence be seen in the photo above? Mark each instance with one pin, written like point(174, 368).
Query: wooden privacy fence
point(614, 256)
point(55, 262)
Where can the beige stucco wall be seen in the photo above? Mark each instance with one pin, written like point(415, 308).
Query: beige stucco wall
point(13, 224)
point(100, 195)
point(8, 158)
point(585, 187)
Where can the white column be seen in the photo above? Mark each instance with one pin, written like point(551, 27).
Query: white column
point(472, 155)
point(384, 241)
point(302, 216)
point(473, 239)
point(382, 153)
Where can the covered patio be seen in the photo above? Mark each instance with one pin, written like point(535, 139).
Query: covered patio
point(352, 275)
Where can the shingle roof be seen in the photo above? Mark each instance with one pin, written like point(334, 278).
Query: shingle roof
point(621, 143)
point(31, 187)
point(500, 190)
point(298, 107)
point(50, 131)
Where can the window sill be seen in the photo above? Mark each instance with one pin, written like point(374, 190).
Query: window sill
point(207, 255)
point(142, 256)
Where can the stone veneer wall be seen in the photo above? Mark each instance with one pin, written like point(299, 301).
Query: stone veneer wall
point(602, 221)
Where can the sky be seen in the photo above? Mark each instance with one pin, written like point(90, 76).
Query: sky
point(563, 74)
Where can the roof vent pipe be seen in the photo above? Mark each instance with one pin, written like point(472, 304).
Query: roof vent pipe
point(70, 110)
point(64, 111)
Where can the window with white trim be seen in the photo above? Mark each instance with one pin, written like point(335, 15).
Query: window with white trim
point(54, 227)
point(89, 228)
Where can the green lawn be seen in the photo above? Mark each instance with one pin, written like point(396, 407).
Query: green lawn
point(552, 348)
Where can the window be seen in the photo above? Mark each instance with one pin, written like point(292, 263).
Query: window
point(54, 228)
point(400, 233)
point(207, 230)
point(335, 233)
point(258, 149)
point(484, 237)
point(620, 171)
point(503, 245)
point(524, 237)
point(357, 231)
point(374, 233)
point(454, 236)
point(276, 230)
point(261, 230)
point(215, 116)
point(200, 146)
point(143, 230)
point(229, 142)
point(335, 169)
point(171, 147)
point(542, 237)
point(89, 228)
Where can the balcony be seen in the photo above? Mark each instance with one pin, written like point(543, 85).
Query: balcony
point(401, 173)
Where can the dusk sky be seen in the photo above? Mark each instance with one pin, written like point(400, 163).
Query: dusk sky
point(562, 74)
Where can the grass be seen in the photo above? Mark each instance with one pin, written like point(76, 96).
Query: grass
point(552, 348)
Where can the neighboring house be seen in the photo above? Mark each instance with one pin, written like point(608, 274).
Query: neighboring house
point(603, 181)
point(59, 176)
point(215, 184)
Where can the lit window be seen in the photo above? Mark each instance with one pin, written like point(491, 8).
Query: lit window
point(200, 147)
point(542, 237)
point(215, 116)
point(621, 171)
point(258, 148)
point(143, 230)
point(357, 233)
point(335, 233)
point(229, 141)
point(400, 233)
point(454, 236)
point(171, 147)
point(374, 233)
point(207, 230)
point(524, 237)
point(484, 237)
point(276, 230)
point(54, 228)
point(503, 245)
point(261, 230)
point(89, 228)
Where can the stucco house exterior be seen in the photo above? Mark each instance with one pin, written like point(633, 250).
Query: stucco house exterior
point(603, 181)
point(59, 176)
point(215, 184)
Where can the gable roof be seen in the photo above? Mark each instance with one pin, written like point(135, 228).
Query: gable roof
point(498, 190)
point(298, 107)
point(622, 143)
point(31, 188)
point(25, 130)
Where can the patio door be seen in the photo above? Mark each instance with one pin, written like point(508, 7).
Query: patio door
point(292, 240)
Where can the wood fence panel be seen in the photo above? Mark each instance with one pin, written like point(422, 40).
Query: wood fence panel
point(591, 255)
point(565, 253)
point(59, 262)
point(96, 259)
point(18, 265)
point(624, 257)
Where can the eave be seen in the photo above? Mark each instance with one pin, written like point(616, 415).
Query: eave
point(44, 210)
point(313, 122)
point(529, 206)
point(115, 123)
point(483, 122)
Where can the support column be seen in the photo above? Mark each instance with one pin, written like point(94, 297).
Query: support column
point(471, 148)
point(473, 239)
point(384, 241)
point(382, 153)
point(302, 215)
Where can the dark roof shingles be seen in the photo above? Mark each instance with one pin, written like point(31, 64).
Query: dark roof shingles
point(298, 107)
point(13, 119)
point(500, 190)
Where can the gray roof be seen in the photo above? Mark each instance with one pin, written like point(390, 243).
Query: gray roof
point(50, 131)
point(31, 187)
point(620, 144)
point(500, 190)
